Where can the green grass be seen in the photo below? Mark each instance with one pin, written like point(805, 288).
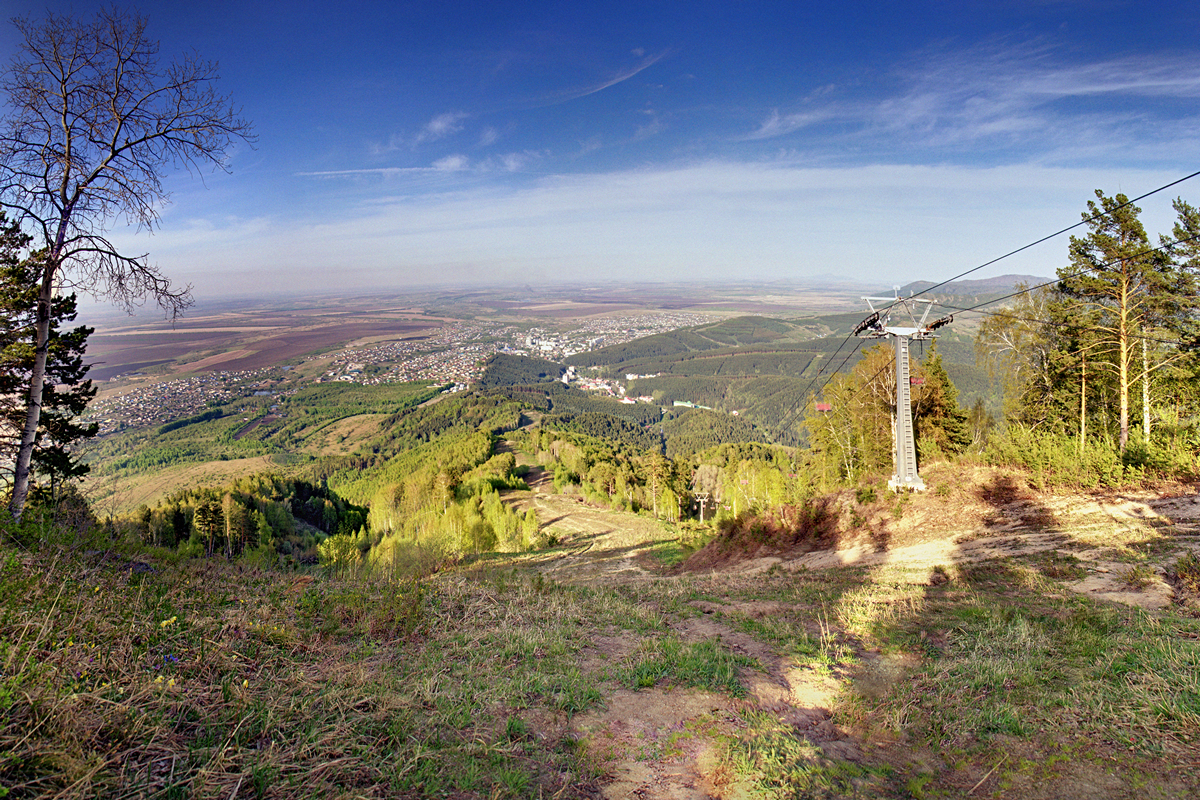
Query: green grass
point(1005, 663)
point(202, 677)
point(769, 760)
point(703, 665)
point(207, 678)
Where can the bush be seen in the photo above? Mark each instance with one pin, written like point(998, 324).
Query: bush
point(64, 519)
point(1055, 459)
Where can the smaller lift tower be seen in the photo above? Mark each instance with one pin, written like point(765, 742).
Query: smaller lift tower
point(905, 329)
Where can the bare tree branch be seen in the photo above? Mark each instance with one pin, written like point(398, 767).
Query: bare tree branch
point(94, 123)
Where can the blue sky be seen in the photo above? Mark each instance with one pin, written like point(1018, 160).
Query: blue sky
point(410, 144)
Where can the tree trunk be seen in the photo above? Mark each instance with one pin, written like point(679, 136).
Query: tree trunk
point(22, 470)
point(1145, 393)
point(1123, 366)
point(1082, 404)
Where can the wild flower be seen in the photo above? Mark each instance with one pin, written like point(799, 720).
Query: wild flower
point(168, 622)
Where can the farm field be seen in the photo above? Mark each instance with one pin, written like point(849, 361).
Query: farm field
point(236, 342)
point(239, 337)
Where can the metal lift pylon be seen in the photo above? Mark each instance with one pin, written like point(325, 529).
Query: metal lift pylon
point(878, 326)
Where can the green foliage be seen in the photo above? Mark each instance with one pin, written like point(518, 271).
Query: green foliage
point(503, 369)
point(290, 517)
point(940, 425)
point(1060, 460)
point(854, 438)
point(65, 389)
point(1113, 338)
point(205, 416)
point(697, 430)
point(292, 428)
point(574, 401)
point(304, 415)
point(634, 356)
point(605, 426)
point(648, 347)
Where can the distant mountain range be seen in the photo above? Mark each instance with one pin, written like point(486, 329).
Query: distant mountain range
point(999, 284)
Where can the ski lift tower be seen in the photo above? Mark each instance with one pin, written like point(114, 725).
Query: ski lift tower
point(877, 326)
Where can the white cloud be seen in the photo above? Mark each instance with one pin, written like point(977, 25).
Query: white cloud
point(779, 125)
point(718, 219)
point(454, 163)
point(514, 162)
point(1027, 97)
point(619, 77)
point(440, 127)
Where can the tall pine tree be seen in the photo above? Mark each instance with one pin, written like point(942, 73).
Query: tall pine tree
point(1117, 293)
point(938, 419)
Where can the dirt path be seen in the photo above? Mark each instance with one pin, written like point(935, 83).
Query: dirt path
point(663, 743)
point(594, 545)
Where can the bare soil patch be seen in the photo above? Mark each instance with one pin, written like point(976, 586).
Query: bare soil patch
point(657, 743)
point(254, 424)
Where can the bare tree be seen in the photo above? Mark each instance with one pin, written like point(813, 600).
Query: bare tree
point(93, 123)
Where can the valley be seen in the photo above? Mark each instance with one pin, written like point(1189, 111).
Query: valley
point(249, 363)
point(646, 568)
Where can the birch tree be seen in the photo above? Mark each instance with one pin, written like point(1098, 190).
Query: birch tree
point(93, 122)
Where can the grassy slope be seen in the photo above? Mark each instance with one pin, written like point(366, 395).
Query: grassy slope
point(122, 494)
point(211, 679)
point(321, 420)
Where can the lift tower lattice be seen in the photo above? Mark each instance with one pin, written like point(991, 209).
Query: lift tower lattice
point(878, 326)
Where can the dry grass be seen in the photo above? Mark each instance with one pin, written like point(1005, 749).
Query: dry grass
point(144, 676)
point(212, 679)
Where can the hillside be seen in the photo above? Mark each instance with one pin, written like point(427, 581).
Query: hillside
point(277, 431)
point(768, 376)
point(978, 288)
point(981, 639)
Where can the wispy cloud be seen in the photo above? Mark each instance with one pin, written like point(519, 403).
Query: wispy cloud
point(652, 128)
point(380, 171)
point(620, 77)
point(687, 222)
point(780, 124)
point(515, 162)
point(440, 127)
point(454, 163)
point(1026, 95)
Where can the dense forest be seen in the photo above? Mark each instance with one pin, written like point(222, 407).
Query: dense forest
point(260, 515)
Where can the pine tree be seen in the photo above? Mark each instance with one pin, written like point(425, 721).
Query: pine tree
point(1118, 294)
point(936, 414)
point(65, 390)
